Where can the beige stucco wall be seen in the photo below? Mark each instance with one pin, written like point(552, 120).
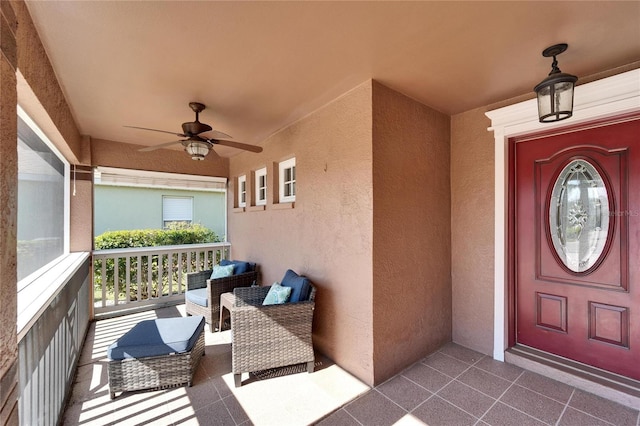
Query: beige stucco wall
point(370, 226)
point(472, 229)
point(328, 234)
point(40, 94)
point(8, 218)
point(411, 231)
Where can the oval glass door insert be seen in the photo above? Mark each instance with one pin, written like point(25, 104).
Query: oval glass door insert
point(579, 216)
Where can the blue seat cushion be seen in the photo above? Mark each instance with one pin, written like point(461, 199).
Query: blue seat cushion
point(162, 336)
point(300, 286)
point(239, 266)
point(198, 296)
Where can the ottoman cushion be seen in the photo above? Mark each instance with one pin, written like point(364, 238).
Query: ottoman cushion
point(158, 337)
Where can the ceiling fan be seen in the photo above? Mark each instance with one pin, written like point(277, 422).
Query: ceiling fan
point(198, 146)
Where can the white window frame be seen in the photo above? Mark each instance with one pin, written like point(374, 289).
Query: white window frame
point(186, 208)
point(36, 290)
point(283, 166)
point(26, 281)
point(242, 191)
point(261, 190)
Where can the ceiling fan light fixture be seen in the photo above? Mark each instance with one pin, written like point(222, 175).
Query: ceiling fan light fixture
point(555, 93)
point(197, 150)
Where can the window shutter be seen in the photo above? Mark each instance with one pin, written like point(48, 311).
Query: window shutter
point(177, 209)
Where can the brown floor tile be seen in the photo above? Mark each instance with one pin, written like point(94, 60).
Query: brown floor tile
point(532, 403)
point(404, 392)
point(461, 353)
point(406, 399)
point(235, 409)
point(546, 386)
point(572, 417)
point(604, 409)
point(484, 382)
point(466, 398)
point(437, 411)
point(501, 369)
point(201, 394)
point(426, 377)
point(502, 415)
point(373, 408)
point(215, 414)
point(445, 364)
point(221, 386)
point(338, 418)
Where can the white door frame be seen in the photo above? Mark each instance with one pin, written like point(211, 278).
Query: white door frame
point(600, 99)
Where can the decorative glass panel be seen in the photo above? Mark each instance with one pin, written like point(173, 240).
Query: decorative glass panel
point(579, 215)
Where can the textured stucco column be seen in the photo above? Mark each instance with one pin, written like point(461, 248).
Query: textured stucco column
point(8, 217)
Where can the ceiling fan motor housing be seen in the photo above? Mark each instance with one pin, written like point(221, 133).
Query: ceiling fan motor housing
point(195, 128)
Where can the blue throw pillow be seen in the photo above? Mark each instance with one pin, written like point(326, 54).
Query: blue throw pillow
point(222, 271)
point(277, 295)
point(239, 266)
point(300, 286)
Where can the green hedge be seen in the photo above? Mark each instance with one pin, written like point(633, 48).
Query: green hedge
point(176, 234)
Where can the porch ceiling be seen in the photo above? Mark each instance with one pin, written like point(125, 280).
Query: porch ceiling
point(259, 66)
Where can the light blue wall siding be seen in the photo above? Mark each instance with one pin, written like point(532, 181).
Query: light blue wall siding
point(121, 207)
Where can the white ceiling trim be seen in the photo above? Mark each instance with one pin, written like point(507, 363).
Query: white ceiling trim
point(111, 176)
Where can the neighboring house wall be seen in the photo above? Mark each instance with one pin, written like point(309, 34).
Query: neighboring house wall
point(124, 208)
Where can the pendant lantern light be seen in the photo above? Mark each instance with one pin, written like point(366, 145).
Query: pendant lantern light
point(555, 93)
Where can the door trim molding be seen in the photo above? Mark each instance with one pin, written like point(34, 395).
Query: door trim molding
point(607, 98)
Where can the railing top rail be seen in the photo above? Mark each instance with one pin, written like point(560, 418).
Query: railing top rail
point(158, 249)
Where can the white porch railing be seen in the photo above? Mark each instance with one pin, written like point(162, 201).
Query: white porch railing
point(131, 278)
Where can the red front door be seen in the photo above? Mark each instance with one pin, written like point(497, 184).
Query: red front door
point(577, 245)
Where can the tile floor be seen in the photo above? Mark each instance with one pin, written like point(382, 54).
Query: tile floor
point(458, 386)
point(453, 386)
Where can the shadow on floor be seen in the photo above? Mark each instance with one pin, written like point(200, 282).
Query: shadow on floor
point(288, 396)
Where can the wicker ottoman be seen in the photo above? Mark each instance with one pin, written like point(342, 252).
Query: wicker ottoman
point(156, 354)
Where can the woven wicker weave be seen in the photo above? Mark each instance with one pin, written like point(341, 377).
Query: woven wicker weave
point(215, 288)
point(269, 336)
point(155, 372)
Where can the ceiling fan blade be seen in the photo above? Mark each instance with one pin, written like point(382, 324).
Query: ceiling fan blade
point(161, 131)
point(154, 147)
point(217, 134)
point(239, 145)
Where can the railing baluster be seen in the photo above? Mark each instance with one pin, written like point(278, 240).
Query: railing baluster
point(179, 271)
point(139, 278)
point(128, 279)
point(160, 276)
point(104, 282)
point(116, 280)
point(170, 272)
point(149, 275)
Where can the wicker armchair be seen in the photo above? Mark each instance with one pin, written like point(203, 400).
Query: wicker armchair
point(215, 288)
point(269, 336)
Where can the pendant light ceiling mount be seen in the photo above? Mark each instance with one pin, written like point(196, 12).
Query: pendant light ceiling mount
point(553, 51)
